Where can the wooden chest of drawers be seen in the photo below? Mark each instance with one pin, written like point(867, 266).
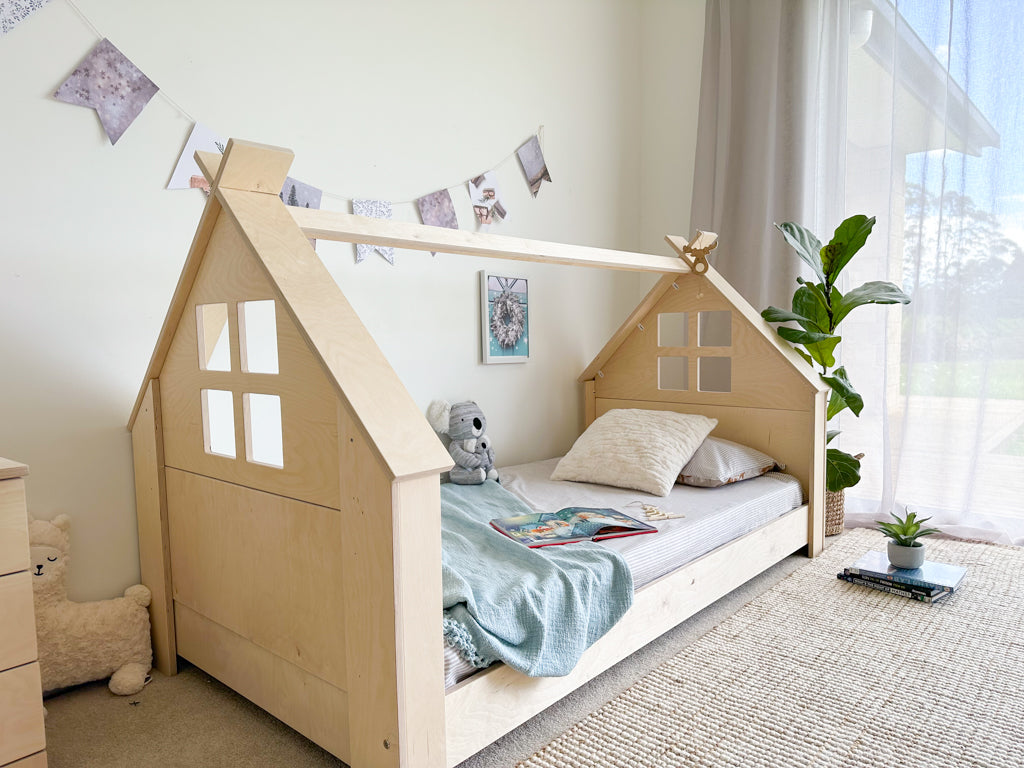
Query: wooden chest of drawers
point(22, 737)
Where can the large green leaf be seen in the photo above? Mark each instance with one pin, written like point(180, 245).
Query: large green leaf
point(806, 245)
point(808, 305)
point(874, 292)
point(797, 336)
point(823, 352)
point(841, 470)
point(820, 346)
point(831, 435)
point(843, 394)
point(849, 238)
point(776, 315)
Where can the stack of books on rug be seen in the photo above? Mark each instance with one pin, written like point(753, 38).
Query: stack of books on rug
point(929, 583)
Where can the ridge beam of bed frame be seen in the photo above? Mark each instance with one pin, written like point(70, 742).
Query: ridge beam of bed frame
point(349, 228)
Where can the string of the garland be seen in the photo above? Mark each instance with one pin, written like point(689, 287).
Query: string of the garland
point(175, 105)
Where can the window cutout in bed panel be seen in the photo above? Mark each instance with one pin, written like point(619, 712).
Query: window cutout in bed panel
point(263, 436)
point(714, 329)
point(674, 373)
point(714, 374)
point(257, 334)
point(219, 422)
point(673, 330)
point(212, 335)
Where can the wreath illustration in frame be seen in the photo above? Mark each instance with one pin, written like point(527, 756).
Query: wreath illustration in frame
point(504, 318)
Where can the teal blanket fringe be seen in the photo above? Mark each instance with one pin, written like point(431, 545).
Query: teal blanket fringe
point(537, 610)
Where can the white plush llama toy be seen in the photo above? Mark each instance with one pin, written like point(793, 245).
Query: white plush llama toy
point(80, 642)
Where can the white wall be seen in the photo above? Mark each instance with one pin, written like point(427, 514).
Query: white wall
point(390, 100)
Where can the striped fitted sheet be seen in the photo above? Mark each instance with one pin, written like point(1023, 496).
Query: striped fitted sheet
point(712, 517)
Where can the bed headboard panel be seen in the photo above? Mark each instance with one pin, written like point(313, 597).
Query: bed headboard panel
point(786, 436)
point(222, 396)
point(695, 346)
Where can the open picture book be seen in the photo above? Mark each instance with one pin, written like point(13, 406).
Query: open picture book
point(544, 529)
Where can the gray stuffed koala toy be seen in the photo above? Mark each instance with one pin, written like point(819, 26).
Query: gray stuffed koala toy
point(470, 448)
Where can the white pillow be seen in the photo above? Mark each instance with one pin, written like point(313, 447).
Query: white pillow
point(718, 462)
point(633, 448)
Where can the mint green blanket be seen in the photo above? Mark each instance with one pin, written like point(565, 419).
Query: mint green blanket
point(537, 610)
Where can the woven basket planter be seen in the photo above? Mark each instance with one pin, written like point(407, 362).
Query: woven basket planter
point(834, 512)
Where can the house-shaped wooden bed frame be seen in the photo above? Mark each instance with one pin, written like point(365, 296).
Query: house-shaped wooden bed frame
point(314, 589)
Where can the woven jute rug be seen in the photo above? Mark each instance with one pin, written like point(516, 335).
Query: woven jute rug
point(819, 672)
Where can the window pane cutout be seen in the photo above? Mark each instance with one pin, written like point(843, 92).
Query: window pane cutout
point(673, 330)
point(264, 442)
point(674, 373)
point(219, 422)
point(257, 333)
point(714, 329)
point(212, 336)
point(714, 374)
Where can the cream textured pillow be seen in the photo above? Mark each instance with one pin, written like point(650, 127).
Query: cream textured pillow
point(633, 448)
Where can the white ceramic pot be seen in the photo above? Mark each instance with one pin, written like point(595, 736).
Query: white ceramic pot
point(905, 557)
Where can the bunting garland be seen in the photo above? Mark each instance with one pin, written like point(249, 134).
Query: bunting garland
point(108, 82)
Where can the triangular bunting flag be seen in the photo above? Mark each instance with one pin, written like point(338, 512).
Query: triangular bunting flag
point(14, 11)
point(109, 83)
point(186, 173)
point(375, 209)
point(532, 159)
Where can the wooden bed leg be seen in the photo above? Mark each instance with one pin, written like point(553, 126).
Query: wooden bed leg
point(816, 491)
point(151, 512)
point(392, 596)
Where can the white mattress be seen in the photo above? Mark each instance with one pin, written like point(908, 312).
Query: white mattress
point(711, 517)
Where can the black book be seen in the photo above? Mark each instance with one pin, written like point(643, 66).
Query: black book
point(892, 589)
point(912, 588)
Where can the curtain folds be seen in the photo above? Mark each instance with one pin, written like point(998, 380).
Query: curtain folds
point(772, 113)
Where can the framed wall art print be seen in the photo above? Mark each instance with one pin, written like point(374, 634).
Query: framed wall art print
point(504, 318)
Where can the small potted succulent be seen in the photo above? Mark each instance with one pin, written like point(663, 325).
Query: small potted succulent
point(904, 550)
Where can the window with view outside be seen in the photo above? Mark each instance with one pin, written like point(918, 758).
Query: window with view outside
point(936, 152)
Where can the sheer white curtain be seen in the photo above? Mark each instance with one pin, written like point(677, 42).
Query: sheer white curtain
point(909, 111)
point(936, 152)
point(772, 114)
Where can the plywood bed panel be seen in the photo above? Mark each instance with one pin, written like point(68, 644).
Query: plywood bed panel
point(759, 376)
point(265, 567)
point(310, 705)
point(228, 276)
point(151, 515)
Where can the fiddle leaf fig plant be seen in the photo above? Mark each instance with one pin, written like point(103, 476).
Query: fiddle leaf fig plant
point(818, 308)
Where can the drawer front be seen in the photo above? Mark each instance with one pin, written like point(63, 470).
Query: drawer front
point(18, 627)
point(21, 713)
point(13, 527)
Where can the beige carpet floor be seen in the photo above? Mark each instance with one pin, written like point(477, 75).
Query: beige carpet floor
point(818, 672)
